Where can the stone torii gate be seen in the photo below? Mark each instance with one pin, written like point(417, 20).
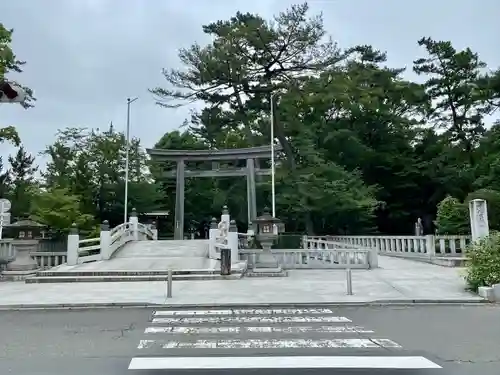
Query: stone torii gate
point(183, 157)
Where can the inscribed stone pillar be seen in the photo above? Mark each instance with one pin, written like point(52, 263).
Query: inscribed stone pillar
point(179, 201)
point(251, 191)
point(478, 212)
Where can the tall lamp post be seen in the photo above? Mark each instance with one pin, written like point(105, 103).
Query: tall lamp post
point(127, 156)
point(273, 184)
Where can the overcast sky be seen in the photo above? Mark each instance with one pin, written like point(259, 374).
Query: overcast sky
point(85, 57)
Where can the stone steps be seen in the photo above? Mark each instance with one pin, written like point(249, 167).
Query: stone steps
point(127, 278)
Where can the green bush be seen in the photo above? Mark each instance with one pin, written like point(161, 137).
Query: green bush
point(483, 268)
point(452, 217)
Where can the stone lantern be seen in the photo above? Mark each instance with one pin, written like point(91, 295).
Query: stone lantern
point(266, 234)
point(26, 235)
point(265, 229)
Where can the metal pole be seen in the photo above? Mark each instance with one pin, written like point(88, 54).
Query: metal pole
point(169, 284)
point(127, 152)
point(273, 191)
point(349, 281)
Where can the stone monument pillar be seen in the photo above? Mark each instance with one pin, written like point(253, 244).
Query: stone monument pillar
point(479, 226)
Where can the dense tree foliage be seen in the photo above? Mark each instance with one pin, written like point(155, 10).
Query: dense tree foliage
point(364, 149)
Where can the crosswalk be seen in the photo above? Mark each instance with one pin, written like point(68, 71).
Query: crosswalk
point(314, 338)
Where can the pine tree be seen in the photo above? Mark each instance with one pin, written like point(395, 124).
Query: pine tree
point(22, 175)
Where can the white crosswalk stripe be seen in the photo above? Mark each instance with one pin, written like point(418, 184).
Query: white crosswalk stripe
point(289, 338)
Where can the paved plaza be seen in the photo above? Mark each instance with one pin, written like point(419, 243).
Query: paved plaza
point(395, 280)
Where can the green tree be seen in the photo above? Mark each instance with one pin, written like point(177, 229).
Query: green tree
point(91, 165)
point(5, 183)
point(249, 59)
point(58, 209)
point(22, 175)
point(452, 87)
point(452, 217)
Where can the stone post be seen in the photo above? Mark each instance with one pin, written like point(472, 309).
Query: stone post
point(430, 245)
point(232, 241)
point(373, 257)
point(479, 226)
point(212, 234)
point(73, 245)
point(304, 242)
point(225, 261)
point(154, 230)
point(134, 221)
point(105, 241)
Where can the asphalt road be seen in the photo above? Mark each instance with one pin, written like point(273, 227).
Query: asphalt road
point(461, 339)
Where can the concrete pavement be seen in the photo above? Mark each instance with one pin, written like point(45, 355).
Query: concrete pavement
point(395, 281)
point(461, 339)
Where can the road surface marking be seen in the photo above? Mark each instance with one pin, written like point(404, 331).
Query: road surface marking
point(276, 319)
point(242, 312)
point(271, 344)
point(210, 330)
point(271, 362)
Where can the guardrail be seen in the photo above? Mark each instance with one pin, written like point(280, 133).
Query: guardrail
point(48, 259)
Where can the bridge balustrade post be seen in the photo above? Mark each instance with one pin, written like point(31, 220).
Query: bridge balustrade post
point(72, 246)
point(212, 235)
point(134, 221)
point(430, 245)
point(105, 240)
point(232, 241)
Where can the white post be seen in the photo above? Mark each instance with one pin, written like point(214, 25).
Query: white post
point(225, 215)
point(478, 211)
point(232, 242)
point(72, 246)
point(304, 242)
point(373, 257)
point(105, 240)
point(212, 235)
point(134, 221)
point(273, 190)
point(430, 245)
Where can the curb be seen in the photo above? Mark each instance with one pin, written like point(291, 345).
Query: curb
point(137, 305)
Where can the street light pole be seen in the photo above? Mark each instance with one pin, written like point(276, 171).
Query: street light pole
point(273, 190)
point(127, 156)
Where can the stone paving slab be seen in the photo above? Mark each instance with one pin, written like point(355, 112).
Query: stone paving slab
point(396, 280)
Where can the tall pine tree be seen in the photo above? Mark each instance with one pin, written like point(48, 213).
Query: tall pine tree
point(22, 175)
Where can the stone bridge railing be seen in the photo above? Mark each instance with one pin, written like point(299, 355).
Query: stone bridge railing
point(313, 259)
point(426, 247)
point(110, 240)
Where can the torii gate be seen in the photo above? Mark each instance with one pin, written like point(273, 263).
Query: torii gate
point(182, 157)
